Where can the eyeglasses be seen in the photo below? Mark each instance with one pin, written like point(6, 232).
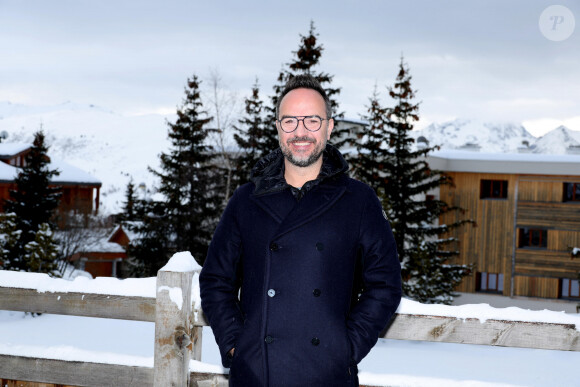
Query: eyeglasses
point(289, 124)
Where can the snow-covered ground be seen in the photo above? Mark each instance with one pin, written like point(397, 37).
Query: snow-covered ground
point(390, 363)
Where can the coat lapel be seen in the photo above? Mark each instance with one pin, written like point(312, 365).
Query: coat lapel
point(311, 206)
point(277, 205)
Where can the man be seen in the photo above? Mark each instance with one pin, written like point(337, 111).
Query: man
point(313, 254)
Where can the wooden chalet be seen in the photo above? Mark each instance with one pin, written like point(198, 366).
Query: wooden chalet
point(106, 256)
point(80, 191)
point(527, 210)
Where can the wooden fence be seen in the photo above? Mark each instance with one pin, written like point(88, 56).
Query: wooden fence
point(178, 333)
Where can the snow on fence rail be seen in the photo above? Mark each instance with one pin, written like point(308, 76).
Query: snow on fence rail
point(172, 301)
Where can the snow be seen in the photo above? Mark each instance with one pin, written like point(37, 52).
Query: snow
point(137, 287)
point(68, 173)
point(116, 148)
point(391, 362)
point(484, 312)
point(175, 295)
point(181, 262)
point(111, 147)
point(9, 149)
point(490, 136)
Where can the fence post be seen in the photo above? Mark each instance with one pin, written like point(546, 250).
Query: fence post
point(197, 330)
point(173, 322)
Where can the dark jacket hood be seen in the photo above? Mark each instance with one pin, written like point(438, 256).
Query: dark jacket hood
point(268, 174)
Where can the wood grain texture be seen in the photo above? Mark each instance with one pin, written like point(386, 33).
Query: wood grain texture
point(78, 304)
point(172, 329)
point(491, 332)
point(73, 373)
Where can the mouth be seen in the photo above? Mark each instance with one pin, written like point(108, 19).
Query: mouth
point(301, 141)
point(301, 145)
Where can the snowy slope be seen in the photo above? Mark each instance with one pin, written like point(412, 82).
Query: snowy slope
point(491, 137)
point(109, 146)
point(114, 147)
point(557, 141)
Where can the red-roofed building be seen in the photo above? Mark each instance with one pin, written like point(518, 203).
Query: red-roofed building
point(80, 190)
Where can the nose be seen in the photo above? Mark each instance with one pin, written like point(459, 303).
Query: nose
point(301, 128)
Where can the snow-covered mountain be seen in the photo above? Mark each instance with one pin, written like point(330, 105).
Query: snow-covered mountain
point(557, 141)
point(114, 147)
point(109, 146)
point(485, 136)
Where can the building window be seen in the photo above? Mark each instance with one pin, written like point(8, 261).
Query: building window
point(489, 282)
point(572, 192)
point(533, 237)
point(493, 189)
point(570, 288)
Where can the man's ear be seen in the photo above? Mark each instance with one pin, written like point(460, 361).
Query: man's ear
point(330, 127)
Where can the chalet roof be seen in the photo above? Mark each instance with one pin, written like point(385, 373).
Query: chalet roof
point(12, 148)
point(516, 163)
point(126, 227)
point(69, 174)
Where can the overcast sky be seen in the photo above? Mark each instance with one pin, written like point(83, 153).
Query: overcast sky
point(484, 60)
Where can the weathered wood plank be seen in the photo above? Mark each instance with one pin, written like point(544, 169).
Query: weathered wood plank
point(74, 372)
point(563, 216)
point(491, 332)
point(208, 380)
point(78, 304)
point(173, 343)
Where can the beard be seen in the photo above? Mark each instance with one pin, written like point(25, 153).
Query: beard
point(304, 161)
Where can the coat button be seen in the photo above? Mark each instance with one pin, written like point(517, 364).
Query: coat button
point(319, 246)
point(271, 292)
point(269, 339)
point(274, 246)
point(316, 292)
point(315, 341)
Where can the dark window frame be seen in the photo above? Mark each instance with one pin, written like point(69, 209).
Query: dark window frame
point(569, 295)
point(493, 189)
point(528, 242)
point(574, 195)
point(482, 281)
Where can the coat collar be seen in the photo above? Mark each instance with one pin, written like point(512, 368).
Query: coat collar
point(268, 174)
point(271, 191)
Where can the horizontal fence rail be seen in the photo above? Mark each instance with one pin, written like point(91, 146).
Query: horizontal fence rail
point(178, 334)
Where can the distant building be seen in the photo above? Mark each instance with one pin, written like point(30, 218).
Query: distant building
point(80, 191)
point(106, 256)
point(527, 210)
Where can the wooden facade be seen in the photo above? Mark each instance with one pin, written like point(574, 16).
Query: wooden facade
point(79, 194)
point(523, 239)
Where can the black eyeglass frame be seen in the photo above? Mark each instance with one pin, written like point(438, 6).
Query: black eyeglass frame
point(303, 123)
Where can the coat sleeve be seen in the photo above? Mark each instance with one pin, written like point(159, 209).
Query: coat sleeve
point(381, 280)
point(219, 282)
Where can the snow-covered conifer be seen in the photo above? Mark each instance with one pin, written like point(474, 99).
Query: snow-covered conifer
point(406, 185)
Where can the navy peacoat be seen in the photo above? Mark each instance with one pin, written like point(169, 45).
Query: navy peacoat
point(300, 286)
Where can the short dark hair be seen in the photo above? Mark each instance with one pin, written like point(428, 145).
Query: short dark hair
point(304, 81)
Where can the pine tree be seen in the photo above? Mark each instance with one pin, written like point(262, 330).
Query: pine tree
point(306, 59)
point(184, 220)
point(368, 164)
point(41, 254)
point(132, 207)
point(33, 202)
point(9, 237)
point(403, 180)
point(251, 136)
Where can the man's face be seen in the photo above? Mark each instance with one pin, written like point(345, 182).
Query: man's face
point(302, 147)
